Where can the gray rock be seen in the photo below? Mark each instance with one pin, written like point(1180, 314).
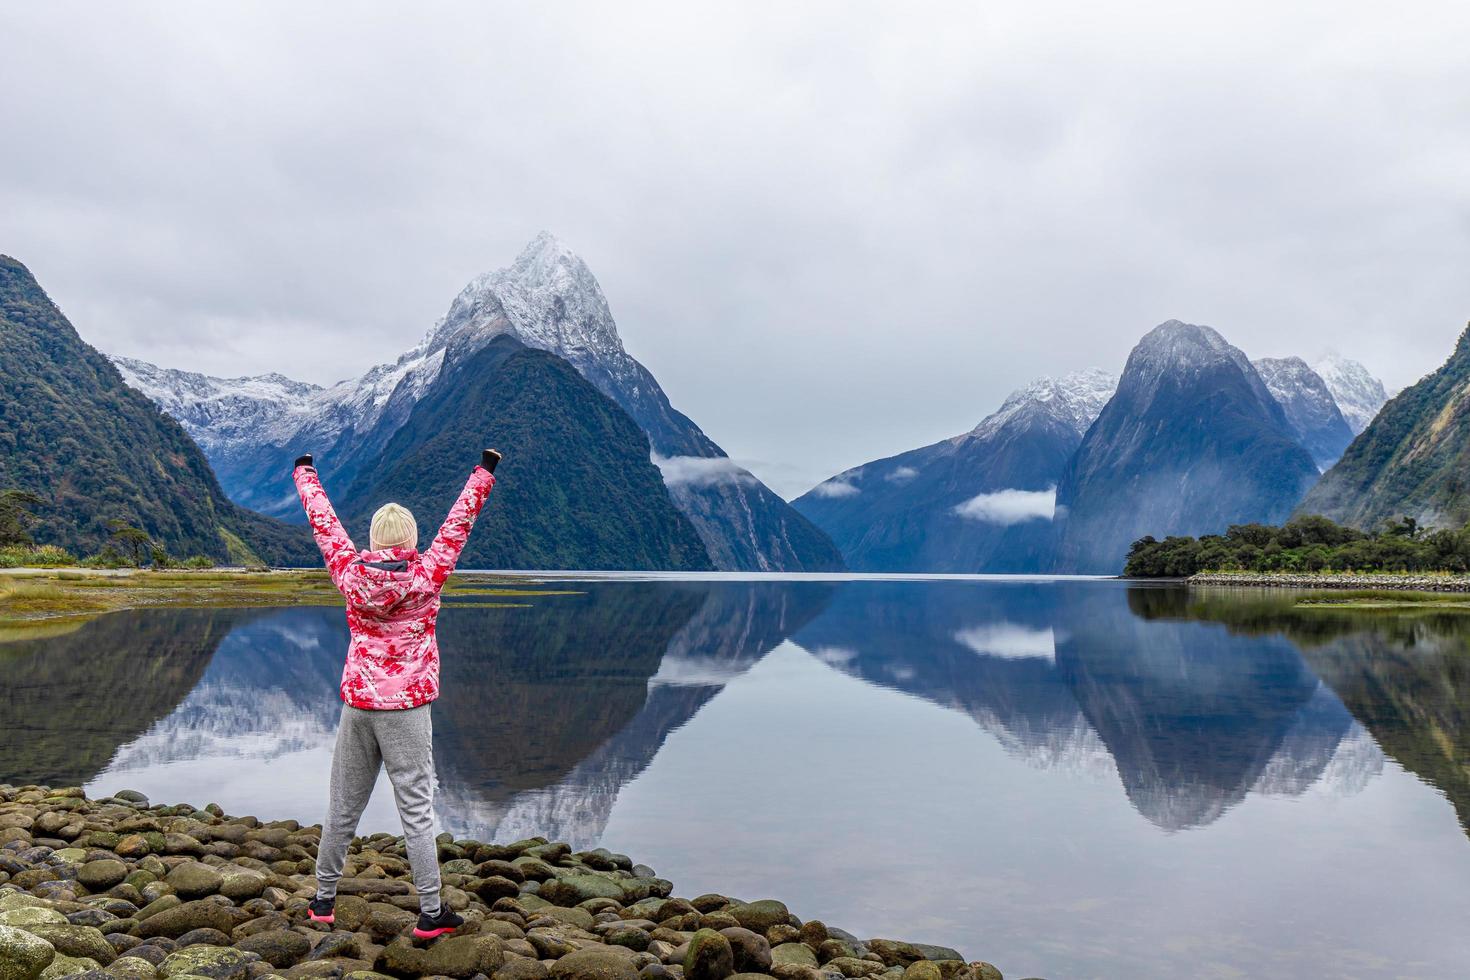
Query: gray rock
point(762, 915)
point(174, 922)
point(520, 968)
point(572, 889)
point(101, 875)
point(194, 880)
point(278, 947)
point(752, 952)
point(203, 937)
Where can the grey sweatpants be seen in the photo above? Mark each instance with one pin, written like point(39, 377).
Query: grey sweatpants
point(402, 741)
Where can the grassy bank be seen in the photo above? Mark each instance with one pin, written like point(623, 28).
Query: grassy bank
point(53, 601)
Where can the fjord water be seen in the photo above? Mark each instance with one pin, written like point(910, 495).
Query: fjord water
point(1068, 778)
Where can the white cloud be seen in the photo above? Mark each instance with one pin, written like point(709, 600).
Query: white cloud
point(902, 475)
point(834, 655)
point(1010, 641)
point(835, 488)
point(1010, 506)
point(701, 471)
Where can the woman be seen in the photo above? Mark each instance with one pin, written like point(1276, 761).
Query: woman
point(391, 676)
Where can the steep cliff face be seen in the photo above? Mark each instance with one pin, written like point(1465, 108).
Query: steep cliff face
point(1192, 442)
point(980, 502)
point(1413, 459)
point(95, 451)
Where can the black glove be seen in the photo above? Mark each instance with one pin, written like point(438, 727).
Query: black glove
point(489, 458)
point(303, 460)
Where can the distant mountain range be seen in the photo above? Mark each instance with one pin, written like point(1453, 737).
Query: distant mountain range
point(1070, 471)
point(980, 502)
point(95, 451)
point(547, 300)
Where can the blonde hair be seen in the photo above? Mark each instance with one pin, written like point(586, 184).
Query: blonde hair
point(393, 527)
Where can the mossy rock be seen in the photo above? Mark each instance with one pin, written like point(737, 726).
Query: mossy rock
point(214, 962)
point(23, 956)
point(65, 966)
point(709, 957)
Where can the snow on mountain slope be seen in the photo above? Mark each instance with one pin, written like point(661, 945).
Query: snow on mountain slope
point(548, 299)
point(1076, 399)
point(1309, 407)
point(979, 502)
point(1359, 395)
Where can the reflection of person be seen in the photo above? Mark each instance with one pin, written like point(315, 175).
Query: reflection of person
point(391, 676)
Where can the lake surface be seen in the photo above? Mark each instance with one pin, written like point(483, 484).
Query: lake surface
point(1067, 778)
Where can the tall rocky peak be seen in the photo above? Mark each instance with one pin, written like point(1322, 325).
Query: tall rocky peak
point(1192, 442)
point(1184, 350)
point(547, 297)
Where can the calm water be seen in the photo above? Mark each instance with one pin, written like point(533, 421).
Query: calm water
point(1071, 779)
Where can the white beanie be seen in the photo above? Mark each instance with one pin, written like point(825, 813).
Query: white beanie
point(394, 527)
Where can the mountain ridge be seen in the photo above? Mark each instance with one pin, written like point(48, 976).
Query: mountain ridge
point(548, 299)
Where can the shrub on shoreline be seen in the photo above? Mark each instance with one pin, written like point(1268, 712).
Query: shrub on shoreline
point(1305, 544)
point(35, 556)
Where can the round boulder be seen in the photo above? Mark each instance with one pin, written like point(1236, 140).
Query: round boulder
point(65, 966)
point(752, 952)
point(194, 880)
point(793, 954)
point(22, 955)
point(214, 962)
point(101, 875)
point(278, 947)
point(594, 963)
point(762, 915)
point(84, 941)
point(573, 889)
point(709, 957)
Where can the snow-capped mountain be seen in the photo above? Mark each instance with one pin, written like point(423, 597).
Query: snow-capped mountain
point(979, 502)
point(1309, 407)
point(1075, 399)
point(547, 299)
point(1358, 394)
point(222, 413)
point(1192, 442)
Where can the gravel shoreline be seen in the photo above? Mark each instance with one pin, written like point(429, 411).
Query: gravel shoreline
point(120, 889)
point(1306, 580)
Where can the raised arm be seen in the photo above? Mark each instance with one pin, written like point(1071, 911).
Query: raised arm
point(337, 548)
point(443, 554)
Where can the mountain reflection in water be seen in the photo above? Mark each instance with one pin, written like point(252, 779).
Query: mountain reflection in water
point(549, 708)
point(1072, 778)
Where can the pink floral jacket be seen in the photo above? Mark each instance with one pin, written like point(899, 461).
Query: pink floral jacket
point(392, 597)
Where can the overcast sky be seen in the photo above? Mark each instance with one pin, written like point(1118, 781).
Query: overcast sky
point(832, 231)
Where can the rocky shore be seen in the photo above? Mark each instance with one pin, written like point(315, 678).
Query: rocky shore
point(120, 889)
point(1307, 580)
